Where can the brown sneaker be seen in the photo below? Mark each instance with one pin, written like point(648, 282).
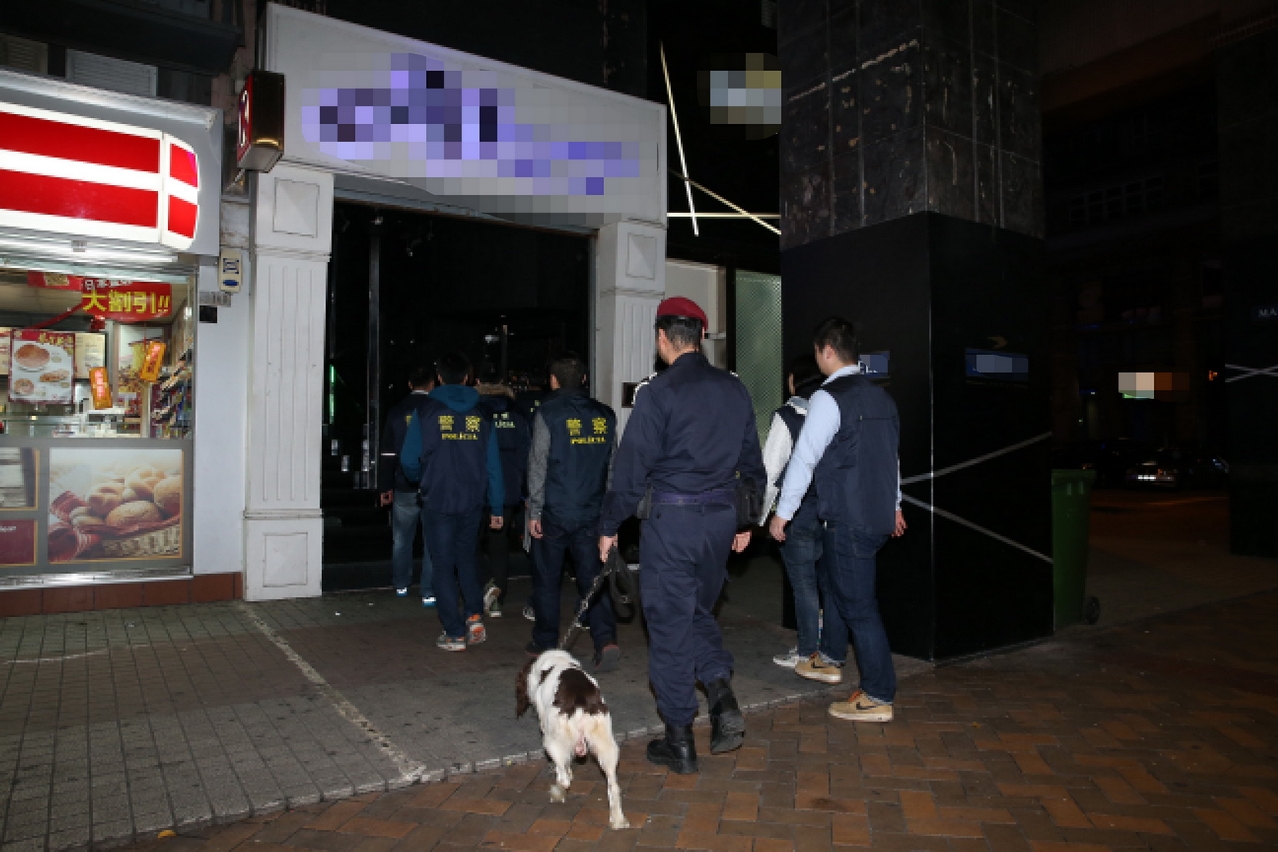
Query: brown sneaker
point(861, 708)
point(815, 668)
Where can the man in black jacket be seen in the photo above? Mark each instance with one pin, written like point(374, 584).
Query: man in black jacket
point(399, 493)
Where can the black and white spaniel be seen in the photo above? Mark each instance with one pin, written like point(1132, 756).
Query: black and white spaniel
point(574, 722)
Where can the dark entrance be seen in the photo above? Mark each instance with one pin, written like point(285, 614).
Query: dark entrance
point(403, 287)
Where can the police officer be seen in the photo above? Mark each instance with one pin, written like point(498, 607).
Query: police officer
point(848, 451)
point(573, 441)
point(451, 450)
point(513, 436)
point(689, 443)
point(400, 493)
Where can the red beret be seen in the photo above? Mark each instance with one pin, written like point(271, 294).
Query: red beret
point(681, 307)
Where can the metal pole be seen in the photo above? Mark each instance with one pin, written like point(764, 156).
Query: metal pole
point(373, 391)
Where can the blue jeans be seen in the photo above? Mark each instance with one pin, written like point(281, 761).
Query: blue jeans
point(582, 541)
point(802, 553)
point(404, 517)
point(453, 543)
point(852, 575)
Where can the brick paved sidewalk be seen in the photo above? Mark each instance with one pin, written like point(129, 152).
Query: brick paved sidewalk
point(1158, 735)
point(116, 725)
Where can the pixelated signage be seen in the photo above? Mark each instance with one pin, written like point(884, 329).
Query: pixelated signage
point(499, 138)
point(996, 365)
point(876, 365)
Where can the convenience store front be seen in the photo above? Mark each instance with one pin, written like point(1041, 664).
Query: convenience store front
point(108, 223)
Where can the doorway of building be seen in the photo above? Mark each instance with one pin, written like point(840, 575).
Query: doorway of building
point(404, 287)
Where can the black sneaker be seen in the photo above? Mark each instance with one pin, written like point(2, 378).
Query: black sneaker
point(532, 649)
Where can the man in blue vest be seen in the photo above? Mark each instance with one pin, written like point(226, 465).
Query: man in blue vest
point(400, 493)
point(690, 442)
point(451, 450)
point(822, 636)
point(573, 441)
point(513, 436)
point(848, 449)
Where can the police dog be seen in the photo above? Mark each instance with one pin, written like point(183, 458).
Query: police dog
point(574, 722)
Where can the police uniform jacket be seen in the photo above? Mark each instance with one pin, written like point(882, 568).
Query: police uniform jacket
point(513, 438)
point(390, 475)
point(451, 447)
point(692, 430)
point(573, 441)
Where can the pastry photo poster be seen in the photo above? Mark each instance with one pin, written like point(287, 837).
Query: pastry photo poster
point(42, 365)
point(114, 504)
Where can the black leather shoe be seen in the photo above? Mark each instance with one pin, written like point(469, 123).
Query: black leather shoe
point(727, 725)
point(675, 750)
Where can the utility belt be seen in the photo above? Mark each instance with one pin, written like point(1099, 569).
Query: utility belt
point(743, 497)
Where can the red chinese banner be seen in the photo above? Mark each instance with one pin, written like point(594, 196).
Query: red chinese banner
point(126, 301)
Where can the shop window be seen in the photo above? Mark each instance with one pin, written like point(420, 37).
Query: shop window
point(96, 407)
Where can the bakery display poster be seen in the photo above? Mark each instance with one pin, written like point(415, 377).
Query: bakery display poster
point(41, 364)
point(115, 504)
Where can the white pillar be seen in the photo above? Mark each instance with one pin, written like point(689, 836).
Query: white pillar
point(630, 281)
point(292, 231)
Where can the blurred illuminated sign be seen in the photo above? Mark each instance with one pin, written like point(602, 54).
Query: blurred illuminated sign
point(997, 365)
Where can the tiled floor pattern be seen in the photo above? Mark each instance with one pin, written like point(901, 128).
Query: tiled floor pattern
point(1158, 735)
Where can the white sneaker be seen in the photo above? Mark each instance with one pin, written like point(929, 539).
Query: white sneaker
point(529, 613)
point(789, 659)
point(491, 594)
point(403, 593)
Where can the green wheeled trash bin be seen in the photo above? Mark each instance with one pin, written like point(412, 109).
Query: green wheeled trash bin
point(1071, 501)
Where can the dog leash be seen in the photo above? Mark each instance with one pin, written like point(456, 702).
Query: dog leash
point(624, 594)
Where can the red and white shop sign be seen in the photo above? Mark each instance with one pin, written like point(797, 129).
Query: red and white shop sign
point(74, 175)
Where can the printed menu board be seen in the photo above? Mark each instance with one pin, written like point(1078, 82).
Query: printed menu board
point(90, 352)
point(41, 365)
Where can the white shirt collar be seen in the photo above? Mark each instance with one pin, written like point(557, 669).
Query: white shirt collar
point(849, 370)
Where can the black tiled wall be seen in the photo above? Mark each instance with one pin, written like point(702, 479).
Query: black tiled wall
point(894, 107)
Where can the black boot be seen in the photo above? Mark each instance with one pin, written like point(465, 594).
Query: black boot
point(727, 725)
point(675, 750)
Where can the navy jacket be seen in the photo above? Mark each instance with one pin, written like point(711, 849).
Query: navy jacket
point(390, 475)
point(582, 433)
point(514, 435)
point(807, 513)
point(856, 478)
point(692, 430)
point(451, 449)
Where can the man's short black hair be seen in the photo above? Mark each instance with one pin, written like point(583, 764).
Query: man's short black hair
point(807, 376)
point(568, 369)
point(420, 377)
point(453, 368)
point(682, 332)
point(840, 335)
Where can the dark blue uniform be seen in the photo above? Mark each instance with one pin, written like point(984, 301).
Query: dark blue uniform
point(450, 446)
point(570, 485)
point(689, 437)
point(390, 474)
point(514, 434)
